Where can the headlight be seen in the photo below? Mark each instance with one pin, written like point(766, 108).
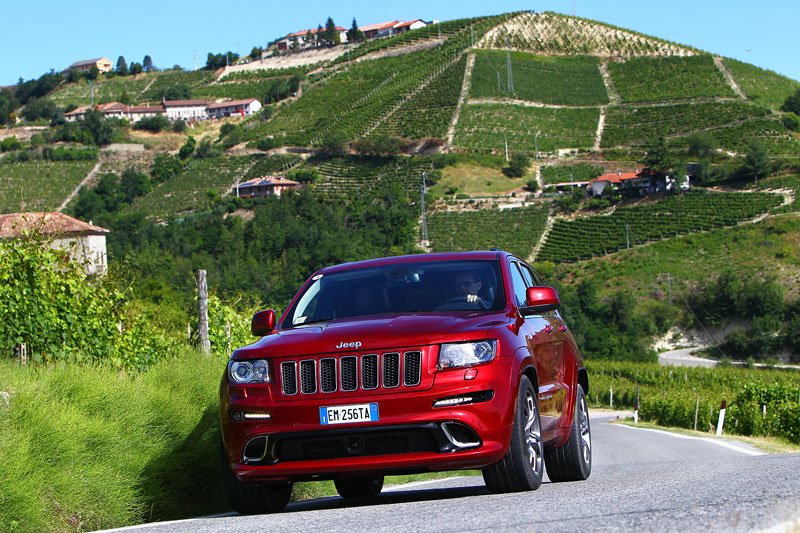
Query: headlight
point(248, 371)
point(466, 353)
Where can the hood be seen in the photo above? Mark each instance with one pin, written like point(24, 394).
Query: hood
point(373, 333)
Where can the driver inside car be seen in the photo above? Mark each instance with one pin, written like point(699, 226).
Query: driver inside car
point(467, 287)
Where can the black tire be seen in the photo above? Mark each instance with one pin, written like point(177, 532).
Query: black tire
point(359, 487)
point(573, 460)
point(523, 466)
point(253, 498)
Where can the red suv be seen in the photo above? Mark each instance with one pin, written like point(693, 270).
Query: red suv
point(404, 365)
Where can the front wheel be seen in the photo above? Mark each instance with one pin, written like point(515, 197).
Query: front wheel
point(357, 488)
point(523, 467)
point(253, 498)
point(573, 460)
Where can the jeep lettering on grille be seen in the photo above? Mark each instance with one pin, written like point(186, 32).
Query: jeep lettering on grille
point(356, 345)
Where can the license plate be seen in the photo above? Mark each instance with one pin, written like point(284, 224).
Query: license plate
point(348, 414)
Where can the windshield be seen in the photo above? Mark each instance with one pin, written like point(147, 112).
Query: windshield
point(415, 287)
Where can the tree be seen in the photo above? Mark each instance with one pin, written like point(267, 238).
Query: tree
point(354, 35)
point(136, 68)
point(92, 73)
point(125, 98)
point(792, 103)
point(310, 38)
point(331, 35)
point(517, 166)
point(756, 161)
point(658, 158)
point(188, 148)
point(7, 105)
point(702, 145)
point(134, 184)
point(255, 53)
point(99, 127)
point(122, 66)
point(39, 108)
point(147, 63)
point(334, 143)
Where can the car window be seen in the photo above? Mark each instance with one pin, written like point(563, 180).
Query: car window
point(531, 277)
point(519, 284)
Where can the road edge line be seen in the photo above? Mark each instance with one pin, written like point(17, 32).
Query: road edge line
point(722, 443)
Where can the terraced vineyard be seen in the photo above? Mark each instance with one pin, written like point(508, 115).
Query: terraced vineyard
point(762, 86)
point(269, 165)
point(550, 80)
point(646, 79)
point(105, 90)
point(639, 125)
point(237, 90)
point(556, 34)
point(172, 78)
point(192, 189)
point(357, 99)
point(767, 131)
point(428, 114)
point(586, 237)
point(792, 182)
point(344, 177)
point(486, 127)
point(564, 173)
point(39, 185)
point(516, 230)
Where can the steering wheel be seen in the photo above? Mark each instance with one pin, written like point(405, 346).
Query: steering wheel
point(448, 305)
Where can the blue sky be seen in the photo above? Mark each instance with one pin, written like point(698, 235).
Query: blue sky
point(49, 34)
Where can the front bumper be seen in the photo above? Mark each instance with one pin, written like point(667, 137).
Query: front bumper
point(410, 436)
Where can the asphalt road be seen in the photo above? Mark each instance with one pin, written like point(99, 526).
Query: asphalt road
point(642, 480)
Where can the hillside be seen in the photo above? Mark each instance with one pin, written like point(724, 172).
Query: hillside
point(364, 125)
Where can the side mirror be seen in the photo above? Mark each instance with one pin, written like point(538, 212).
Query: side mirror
point(262, 323)
point(540, 300)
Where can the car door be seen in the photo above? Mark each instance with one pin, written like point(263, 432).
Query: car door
point(548, 347)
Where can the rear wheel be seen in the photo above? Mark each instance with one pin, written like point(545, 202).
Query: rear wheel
point(359, 487)
point(523, 466)
point(573, 460)
point(253, 498)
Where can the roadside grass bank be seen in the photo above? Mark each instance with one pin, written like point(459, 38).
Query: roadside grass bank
point(86, 447)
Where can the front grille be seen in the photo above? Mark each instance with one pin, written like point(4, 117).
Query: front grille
point(370, 442)
point(351, 373)
point(289, 378)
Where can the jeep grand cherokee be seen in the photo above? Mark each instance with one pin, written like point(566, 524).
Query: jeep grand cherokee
point(405, 365)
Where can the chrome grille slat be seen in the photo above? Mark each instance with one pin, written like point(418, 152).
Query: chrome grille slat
point(350, 373)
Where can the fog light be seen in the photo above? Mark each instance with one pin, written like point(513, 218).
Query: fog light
point(238, 416)
point(447, 402)
point(257, 416)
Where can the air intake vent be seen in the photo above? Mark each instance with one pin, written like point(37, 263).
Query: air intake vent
point(289, 378)
point(308, 377)
point(349, 373)
point(327, 375)
point(369, 371)
point(411, 368)
point(391, 370)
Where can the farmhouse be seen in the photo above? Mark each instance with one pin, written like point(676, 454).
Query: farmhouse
point(641, 180)
point(185, 109)
point(234, 107)
point(266, 186)
point(307, 38)
point(103, 64)
point(86, 243)
point(133, 113)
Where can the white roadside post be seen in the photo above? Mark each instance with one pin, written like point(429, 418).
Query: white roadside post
point(721, 420)
point(611, 397)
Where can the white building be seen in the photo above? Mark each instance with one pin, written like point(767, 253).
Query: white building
point(185, 109)
point(242, 108)
point(86, 243)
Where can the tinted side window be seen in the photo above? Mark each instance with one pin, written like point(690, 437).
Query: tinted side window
point(532, 278)
point(519, 284)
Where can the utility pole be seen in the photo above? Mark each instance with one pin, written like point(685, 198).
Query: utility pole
point(627, 239)
point(91, 93)
point(202, 308)
point(506, 149)
point(424, 225)
point(508, 66)
point(536, 145)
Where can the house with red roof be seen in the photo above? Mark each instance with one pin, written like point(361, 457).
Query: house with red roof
point(307, 38)
point(85, 242)
point(242, 108)
point(266, 186)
